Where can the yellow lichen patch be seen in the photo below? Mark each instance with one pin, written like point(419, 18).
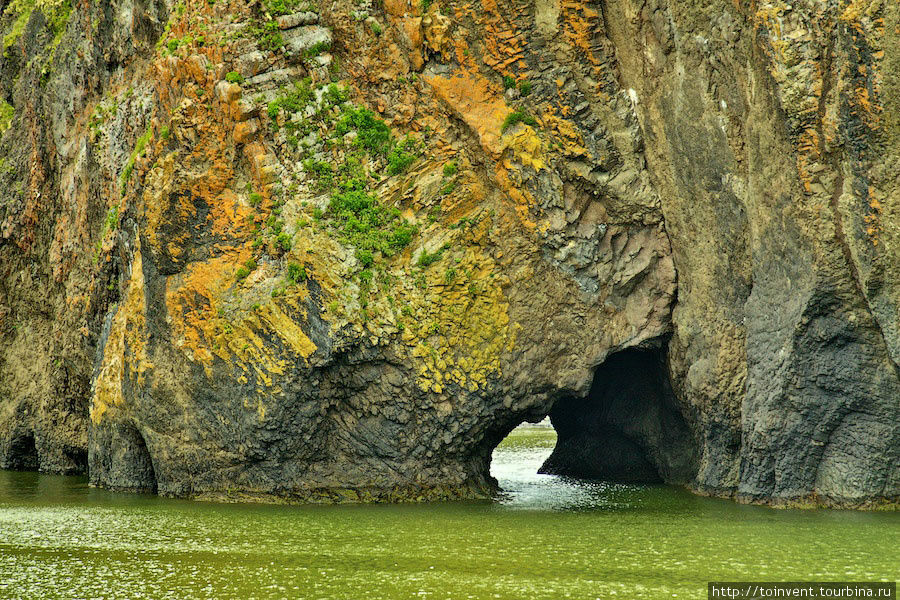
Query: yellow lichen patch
point(462, 330)
point(769, 16)
point(473, 98)
point(244, 342)
point(858, 9)
point(564, 131)
point(526, 149)
point(125, 346)
point(288, 330)
point(315, 249)
point(459, 206)
point(520, 196)
point(204, 329)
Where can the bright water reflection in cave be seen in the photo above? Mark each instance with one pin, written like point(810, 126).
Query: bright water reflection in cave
point(515, 463)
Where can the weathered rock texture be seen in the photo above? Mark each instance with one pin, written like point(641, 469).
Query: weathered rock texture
point(217, 281)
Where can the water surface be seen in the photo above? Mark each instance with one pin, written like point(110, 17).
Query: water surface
point(546, 538)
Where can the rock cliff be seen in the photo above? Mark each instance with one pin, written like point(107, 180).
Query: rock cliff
point(297, 250)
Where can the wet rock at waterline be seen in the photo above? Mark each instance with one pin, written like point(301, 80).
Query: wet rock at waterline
point(341, 257)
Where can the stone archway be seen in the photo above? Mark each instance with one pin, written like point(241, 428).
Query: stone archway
point(629, 427)
point(21, 454)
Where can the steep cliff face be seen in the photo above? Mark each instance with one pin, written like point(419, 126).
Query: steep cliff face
point(283, 250)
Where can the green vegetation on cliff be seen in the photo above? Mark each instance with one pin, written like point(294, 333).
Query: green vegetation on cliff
point(367, 225)
point(18, 12)
point(6, 115)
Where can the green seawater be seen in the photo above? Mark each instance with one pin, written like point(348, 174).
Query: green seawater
point(544, 538)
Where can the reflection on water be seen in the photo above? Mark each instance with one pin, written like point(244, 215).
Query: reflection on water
point(545, 538)
point(515, 464)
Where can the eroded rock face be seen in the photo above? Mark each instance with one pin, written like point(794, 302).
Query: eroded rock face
point(223, 277)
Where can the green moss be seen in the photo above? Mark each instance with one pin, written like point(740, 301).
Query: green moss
point(275, 224)
point(269, 38)
point(365, 258)
point(322, 170)
point(335, 95)
point(450, 168)
point(367, 225)
point(139, 147)
point(234, 77)
point(509, 82)
point(373, 135)
point(111, 223)
point(22, 12)
point(57, 15)
point(6, 115)
point(112, 218)
point(245, 269)
point(448, 188)
point(317, 49)
point(296, 273)
point(427, 259)
point(291, 100)
point(403, 154)
point(464, 222)
point(516, 117)
point(286, 7)
point(525, 88)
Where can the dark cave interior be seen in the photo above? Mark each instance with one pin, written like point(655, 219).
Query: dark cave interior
point(629, 428)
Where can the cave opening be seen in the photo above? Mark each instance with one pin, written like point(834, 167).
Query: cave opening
point(143, 474)
point(629, 428)
point(126, 465)
point(22, 454)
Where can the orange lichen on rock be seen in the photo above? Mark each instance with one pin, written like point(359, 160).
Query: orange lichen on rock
point(503, 43)
point(581, 24)
point(201, 327)
point(193, 300)
point(228, 215)
point(473, 98)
